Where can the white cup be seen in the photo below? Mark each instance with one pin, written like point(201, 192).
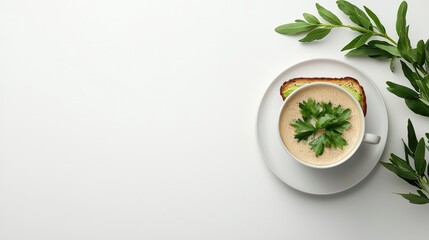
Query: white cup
point(362, 137)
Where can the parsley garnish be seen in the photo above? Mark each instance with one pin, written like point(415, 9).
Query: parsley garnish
point(324, 123)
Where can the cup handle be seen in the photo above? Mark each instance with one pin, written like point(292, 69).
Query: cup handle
point(371, 138)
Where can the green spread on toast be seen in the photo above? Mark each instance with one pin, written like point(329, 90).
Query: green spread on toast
point(350, 90)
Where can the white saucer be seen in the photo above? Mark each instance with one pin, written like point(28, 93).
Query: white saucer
point(320, 181)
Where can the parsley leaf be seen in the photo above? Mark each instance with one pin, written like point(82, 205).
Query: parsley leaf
point(325, 120)
point(303, 129)
point(336, 139)
point(323, 123)
point(339, 126)
point(318, 144)
point(309, 109)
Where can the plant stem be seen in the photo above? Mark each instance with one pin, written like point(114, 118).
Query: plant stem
point(377, 34)
point(422, 70)
point(360, 29)
point(422, 185)
point(423, 182)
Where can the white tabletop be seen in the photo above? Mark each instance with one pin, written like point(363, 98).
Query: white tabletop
point(136, 120)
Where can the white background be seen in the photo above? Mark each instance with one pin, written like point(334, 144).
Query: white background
point(136, 120)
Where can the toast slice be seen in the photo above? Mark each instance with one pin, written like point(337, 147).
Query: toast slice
point(348, 83)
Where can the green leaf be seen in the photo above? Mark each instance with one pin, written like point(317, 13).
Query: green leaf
point(339, 126)
point(303, 129)
point(427, 53)
point(401, 91)
point(428, 171)
point(404, 46)
point(327, 15)
point(358, 41)
point(407, 151)
point(390, 49)
point(401, 21)
point(294, 28)
point(412, 53)
point(348, 9)
point(352, 44)
point(419, 76)
point(366, 50)
point(392, 64)
point(364, 20)
point(344, 114)
point(316, 34)
point(325, 120)
point(309, 109)
point(372, 43)
point(414, 183)
point(412, 138)
point(311, 18)
point(424, 89)
point(318, 145)
point(396, 170)
point(356, 15)
point(422, 194)
point(303, 135)
point(417, 106)
point(376, 21)
point(421, 57)
point(414, 198)
point(419, 157)
point(410, 75)
point(401, 164)
point(383, 54)
point(336, 140)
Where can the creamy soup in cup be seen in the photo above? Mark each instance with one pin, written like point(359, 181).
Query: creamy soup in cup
point(302, 149)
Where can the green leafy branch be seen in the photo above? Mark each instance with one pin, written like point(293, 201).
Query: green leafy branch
point(373, 41)
point(413, 168)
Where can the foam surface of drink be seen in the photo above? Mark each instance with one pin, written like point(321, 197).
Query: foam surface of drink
point(302, 149)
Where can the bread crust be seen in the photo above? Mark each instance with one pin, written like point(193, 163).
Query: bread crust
point(344, 81)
